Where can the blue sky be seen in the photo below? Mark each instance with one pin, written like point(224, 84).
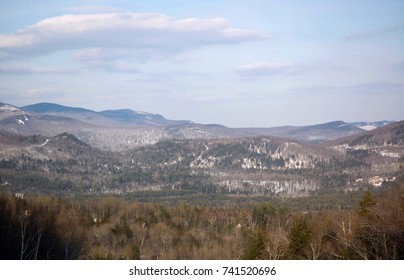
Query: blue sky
point(237, 63)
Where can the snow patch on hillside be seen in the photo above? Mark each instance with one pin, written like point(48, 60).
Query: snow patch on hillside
point(44, 143)
point(9, 108)
point(290, 188)
point(249, 163)
point(389, 154)
point(368, 127)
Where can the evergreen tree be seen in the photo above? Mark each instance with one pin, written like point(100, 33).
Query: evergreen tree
point(366, 204)
point(299, 236)
point(255, 244)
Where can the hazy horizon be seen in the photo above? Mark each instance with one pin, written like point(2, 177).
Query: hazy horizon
point(235, 63)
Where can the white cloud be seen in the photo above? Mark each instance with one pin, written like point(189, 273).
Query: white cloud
point(136, 31)
point(263, 68)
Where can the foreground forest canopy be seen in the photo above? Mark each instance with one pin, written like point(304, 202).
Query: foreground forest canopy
point(46, 227)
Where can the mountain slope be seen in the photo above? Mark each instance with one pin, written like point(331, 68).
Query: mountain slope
point(7, 110)
point(47, 125)
point(389, 135)
point(382, 148)
point(53, 108)
point(313, 133)
point(371, 125)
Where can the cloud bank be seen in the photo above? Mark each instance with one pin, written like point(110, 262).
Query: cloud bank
point(135, 31)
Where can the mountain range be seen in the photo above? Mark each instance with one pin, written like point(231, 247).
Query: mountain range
point(44, 149)
point(107, 117)
point(123, 129)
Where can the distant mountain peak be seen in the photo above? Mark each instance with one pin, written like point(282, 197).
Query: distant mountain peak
point(130, 116)
point(124, 116)
point(45, 107)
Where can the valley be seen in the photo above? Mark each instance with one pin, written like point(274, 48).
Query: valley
point(188, 161)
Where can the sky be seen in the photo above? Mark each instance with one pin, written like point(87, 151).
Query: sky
point(256, 63)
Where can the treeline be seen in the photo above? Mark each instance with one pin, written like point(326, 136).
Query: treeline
point(44, 227)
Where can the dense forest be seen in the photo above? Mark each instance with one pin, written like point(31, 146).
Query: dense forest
point(48, 227)
point(64, 165)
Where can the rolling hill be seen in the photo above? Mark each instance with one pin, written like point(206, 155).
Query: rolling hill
point(122, 129)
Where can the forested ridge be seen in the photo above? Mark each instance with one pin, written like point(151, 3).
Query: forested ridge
point(241, 198)
point(47, 227)
point(262, 166)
